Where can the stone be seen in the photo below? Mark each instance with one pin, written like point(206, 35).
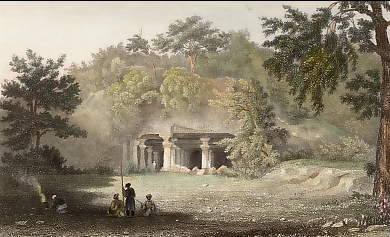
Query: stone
point(282, 219)
point(315, 221)
point(205, 185)
point(327, 224)
point(373, 228)
point(338, 224)
point(21, 223)
point(222, 170)
point(126, 233)
point(185, 170)
point(352, 230)
point(212, 170)
point(350, 222)
point(201, 172)
point(195, 170)
point(40, 222)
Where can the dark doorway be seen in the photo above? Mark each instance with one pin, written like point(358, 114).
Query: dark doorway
point(221, 159)
point(195, 159)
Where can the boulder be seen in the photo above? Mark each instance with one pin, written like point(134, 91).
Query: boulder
point(212, 170)
point(195, 170)
point(352, 230)
point(222, 170)
point(201, 172)
point(373, 228)
point(350, 222)
point(327, 224)
point(338, 224)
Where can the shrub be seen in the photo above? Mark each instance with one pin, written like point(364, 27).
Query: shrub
point(43, 160)
point(348, 149)
point(297, 154)
point(250, 156)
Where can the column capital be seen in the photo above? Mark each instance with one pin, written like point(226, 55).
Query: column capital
point(142, 146)
point(205, 139)
point(149, 149)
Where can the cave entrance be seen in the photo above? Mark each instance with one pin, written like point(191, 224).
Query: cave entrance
point(195, 159)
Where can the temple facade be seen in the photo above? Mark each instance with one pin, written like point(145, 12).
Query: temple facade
point(181, 147)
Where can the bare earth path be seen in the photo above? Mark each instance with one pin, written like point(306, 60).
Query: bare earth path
point(189, 206)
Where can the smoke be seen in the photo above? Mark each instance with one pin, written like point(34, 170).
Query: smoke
point(33, 182)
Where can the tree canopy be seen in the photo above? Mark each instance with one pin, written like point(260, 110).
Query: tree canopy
point(315, 53)
point(191, 37)
point(37, 101)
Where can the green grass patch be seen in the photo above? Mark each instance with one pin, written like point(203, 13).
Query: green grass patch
point(344, 165)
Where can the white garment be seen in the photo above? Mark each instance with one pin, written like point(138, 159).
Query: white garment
point(62, 208)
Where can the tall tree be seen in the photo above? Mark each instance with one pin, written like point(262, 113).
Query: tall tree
point(139, 45)
point(251, 149)
point(314, 54)
point(191, 37)
point(38, 102)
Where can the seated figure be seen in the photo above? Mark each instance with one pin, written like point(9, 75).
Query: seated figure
point(116, 207)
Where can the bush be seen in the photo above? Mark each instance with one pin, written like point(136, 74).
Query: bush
point(297, 154)
point(251, 158)
point(44, 160)
point(348, 149)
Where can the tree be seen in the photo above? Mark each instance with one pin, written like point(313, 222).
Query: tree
point(139, 45)
point(132, 94)
point(38, 102)
point(192, 38)
point(241, 58)
point(251, 148)
point(184, 91)
point(314, 54)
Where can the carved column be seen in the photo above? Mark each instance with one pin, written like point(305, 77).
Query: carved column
point(211, 158)
point(149, 158)
point(167, 154)
point(174, 153)
point(205, 152)
point(142, 164)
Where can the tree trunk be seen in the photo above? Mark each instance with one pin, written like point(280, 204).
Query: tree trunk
point(38, 140)
point(382, 175)
point(191, 59)
point(154, 70)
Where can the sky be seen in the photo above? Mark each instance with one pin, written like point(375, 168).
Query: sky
point(78, 29)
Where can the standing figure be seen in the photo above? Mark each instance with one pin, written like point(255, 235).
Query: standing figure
point(129, 193)
point(116, 207)
point(148, 206)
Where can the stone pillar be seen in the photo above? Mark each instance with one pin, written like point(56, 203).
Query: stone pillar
point(174, 153)
point(135, 155)
point(182, 164)
point(187, 158)
point(142, 164)
point(167, 154)
point(205, 152)
point(149, 158)
point(211, 158)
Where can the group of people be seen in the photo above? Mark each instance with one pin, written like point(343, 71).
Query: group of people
point(118, 208)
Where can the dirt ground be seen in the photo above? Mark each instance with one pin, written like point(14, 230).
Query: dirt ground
point(188, 206)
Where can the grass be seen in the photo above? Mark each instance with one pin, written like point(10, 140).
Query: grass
point(344, 165)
